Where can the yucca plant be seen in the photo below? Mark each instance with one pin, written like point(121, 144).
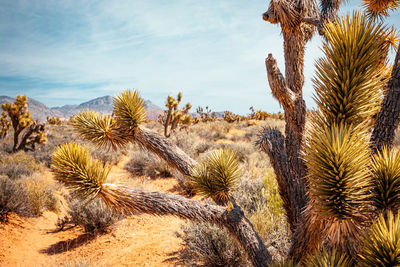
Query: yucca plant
point(381, 243)
point(217, 176)
point(386, 180)
point(380, 8)
point(330, 258)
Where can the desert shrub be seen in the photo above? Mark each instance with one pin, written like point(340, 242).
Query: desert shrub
point(13, 198)
point(214, 246)
point(243, 150)
point(145, 163)
point(93, 216)
point(40, 195)
point(18, 165)
point(109, 156)
point(209, 245)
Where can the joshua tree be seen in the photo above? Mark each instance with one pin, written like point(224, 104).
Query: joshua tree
point(331, 183)
point(174, 116)
point(21, 120)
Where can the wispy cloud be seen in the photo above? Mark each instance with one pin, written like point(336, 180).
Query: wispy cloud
point(212, 51)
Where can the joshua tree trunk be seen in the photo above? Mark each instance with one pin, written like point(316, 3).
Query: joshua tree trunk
point(127, 200)
point(388, 117)
point(165, 149)
point(298, 20)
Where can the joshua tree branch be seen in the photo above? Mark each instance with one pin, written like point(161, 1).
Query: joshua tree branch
point(128, 200)
point(277, 84)
point(165, 149)
point(272, 142)
point(389, 115)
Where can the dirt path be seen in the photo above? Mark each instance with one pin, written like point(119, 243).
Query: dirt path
point(141, 240)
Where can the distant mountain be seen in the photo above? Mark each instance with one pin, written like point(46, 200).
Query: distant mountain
point(102, 104)
point(38, 110)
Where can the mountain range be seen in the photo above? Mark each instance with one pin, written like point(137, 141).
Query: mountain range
point(102, 104)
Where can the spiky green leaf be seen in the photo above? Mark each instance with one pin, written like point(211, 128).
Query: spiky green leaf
point(129, 109)
point(73, 166)
point(350, 76)
point(330, 258)
point(337, 157)
point(100, 129)
point(386, 179)
point(381, 244)
point(218, 175)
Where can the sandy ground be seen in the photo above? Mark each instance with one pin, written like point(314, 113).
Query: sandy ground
point(141, 240)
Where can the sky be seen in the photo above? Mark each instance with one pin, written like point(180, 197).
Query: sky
point(70, 51)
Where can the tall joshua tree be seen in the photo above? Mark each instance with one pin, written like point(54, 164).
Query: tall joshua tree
point(330, 182)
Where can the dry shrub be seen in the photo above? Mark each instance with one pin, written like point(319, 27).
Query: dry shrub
point(95, 217)
point(145, 163)
point(18, 165)
point(40, 196)
point(13, 198)
point(214, 246)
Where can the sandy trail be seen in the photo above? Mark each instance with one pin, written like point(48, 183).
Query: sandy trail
point(140, 240)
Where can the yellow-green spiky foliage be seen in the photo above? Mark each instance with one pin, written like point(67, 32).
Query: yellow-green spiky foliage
point(380, 8)
point(329, 258)
point(338, 159)
point(386, 180)
point(103, 130)
point(73, 166)
point(348, 85)
point(288, 263)
point(113, 132)
point(4, 125)
point(381, 244)
point(350, 77)
point(129, 110)
point(217, 176)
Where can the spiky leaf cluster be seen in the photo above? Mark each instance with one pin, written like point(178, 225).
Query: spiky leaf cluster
point(386, 179)
point(217, 176)
point(73, 166)
point(350, 77)
point(101, 129)
point(4, 125)
point(129, 110)
point(329, 258)
point(380, 8)
point(381, 244)
point(337, 157)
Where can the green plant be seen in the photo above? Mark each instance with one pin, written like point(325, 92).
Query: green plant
point(21, 119)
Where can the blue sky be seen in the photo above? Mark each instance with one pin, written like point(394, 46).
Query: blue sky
point(67, 52)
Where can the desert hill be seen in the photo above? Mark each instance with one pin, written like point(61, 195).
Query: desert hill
point(102, 104)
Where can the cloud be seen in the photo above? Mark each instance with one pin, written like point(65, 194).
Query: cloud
point(212, 51)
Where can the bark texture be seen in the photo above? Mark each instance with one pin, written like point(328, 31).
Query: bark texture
point(128, 201)
point(388, 117)
point(165, 149)
point(298, 20)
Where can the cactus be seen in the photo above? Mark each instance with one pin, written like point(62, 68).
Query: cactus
point(21, 119)
point(174, 116)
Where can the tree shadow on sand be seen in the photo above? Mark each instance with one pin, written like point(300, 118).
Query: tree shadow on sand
point(70, 244)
